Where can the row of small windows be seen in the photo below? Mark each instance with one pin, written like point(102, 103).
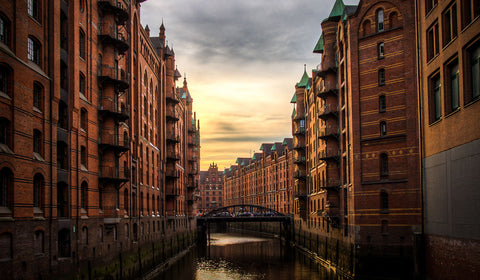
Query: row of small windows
point(451, 84)
point(380, 22)
point(449, 25)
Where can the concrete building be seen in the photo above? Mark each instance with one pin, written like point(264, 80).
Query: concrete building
point(449, 89)
point(358, 195)
point(210, 190)
point(88, 102)
point(265, 180)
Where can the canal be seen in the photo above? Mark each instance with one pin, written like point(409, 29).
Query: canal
point(235, 256)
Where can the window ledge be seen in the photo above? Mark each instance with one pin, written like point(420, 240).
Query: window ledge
point(5, 210)
point(5, 149)
point(435, 122)
point(474, 100)
point(37, 156)
point(37, 110)
point(452, 112)
point(83, 168)
point(84, 98)
point(4, 95)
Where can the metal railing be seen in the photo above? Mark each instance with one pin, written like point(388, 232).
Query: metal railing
point(328, 153)
point(115, 140)
point(109, 104)
point(115, 172)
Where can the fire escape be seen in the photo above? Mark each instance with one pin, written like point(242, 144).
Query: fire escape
point(173, 155)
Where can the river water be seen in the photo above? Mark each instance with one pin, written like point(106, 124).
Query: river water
point(240, 257)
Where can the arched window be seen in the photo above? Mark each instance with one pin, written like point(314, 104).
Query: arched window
point(81, 43)
point(62, 199)
point(85, 235)
point(4, 30)
point(62, 155)
point(82, 84)
point(393, 20)
point(37, 142)
point(37, 96)
point(33, 50)
point(383, 165)
point(125, 200)
point(381, 50)
point(84, 158)
point(383, 201)
point(64, 243)
point(38, 242)
point(6, 180)
point(62, 115)
point(367, 28)
point(6, 80)
point(145, 79)
point(84, 119)
point(4, 132)
point(383, 128)
point(382, 105)
point(380, 21)
point(381, 77)
point(84, 196)
point(38, 190)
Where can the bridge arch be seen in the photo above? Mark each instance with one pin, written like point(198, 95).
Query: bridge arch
point(239, 209)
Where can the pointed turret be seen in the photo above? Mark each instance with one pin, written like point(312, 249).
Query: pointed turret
point(304, 81)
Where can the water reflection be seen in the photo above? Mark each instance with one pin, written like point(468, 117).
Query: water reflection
point(233, 257)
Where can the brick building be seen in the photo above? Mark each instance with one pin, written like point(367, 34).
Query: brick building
point(265, 179)
point(449, 43)
point(210, 190)
point(94, 136)
point(358, 195)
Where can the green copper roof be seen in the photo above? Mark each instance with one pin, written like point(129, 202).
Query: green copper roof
point(284, 142)
point(273, 148)
point(294, 98)
point(337, 10)
point(294, 112)
point(304, 81)
point(319, 46)
point(254, 158)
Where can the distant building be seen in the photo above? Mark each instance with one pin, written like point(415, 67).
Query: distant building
point(265, 180)
point(210, 190)
point(449, 76)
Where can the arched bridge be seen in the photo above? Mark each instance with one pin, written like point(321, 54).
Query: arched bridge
point(242, 213)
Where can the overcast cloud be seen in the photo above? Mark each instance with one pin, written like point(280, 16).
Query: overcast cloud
point(242, 59)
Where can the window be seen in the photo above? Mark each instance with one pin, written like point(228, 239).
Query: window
point(37, 141)
point(429, 5)
point(5, 187)
point(472, 73)
point(381, 77)
point(62, 155)
point(63, 75)
point(470, 10)
point(393, 20)
point(62, 199)
point(5, 80)
point(380, 23)
point(435, 104)
point(4, 30)
point(64, 243)
point(382, 105)
point(84, 196)
point(125, 200)
point(81, 44)
point(83, 119)
point(62, 115)
point(432, 41)
point(81, 85)
point(145, 107)
point(63, 31)
point(38, 185)
point(384, 202)
point(4, 131)
point(37, 95)
point(452, 99)
point(381, 52)
point(383, 165)
point(33, 9)
point(33, 50)
point(83, 157)
point(6, 246)
point(38, 243)
point(449, 24)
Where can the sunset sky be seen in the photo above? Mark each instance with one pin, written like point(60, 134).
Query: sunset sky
point(242, 59)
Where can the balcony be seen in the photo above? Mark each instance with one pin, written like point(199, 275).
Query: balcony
point(328, 110)
point(115, 142)
point(172, 173)
point(298, 145)
point(327, 92)
point(328, 131)
point(172, 192)
point(330, 70)
point(299, 159)
point(331, 184)
point(109, 74)
point(172, 114)
point(112, 174)
point(172, 98)
point(299, 175)
point(329, 154)
point(190, 197)
point(115, 7)
point(299, 130)
point(300, 194)
point(173, 155)
point(108, 107)
point(108, 34)
point(173, 137)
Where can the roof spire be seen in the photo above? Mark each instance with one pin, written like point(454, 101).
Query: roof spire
point(305, 67)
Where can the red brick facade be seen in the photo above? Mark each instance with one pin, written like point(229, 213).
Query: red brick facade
point(210, 190)
point(99, 148)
